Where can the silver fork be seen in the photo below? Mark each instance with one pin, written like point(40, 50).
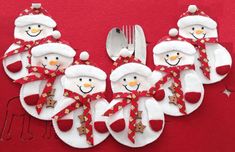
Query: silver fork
point(129, 32)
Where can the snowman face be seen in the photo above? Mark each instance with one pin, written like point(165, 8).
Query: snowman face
point(84, 85)
point(130, 82)
point(32, 32)
point(173, 58)
point(52, 61)
point(198, 32)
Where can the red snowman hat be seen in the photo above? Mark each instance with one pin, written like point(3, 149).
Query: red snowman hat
point(83, 67)
point(173, 42)
point(127, 64)
point(35, 15)
point(195, 16)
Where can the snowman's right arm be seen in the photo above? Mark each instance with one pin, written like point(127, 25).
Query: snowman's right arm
point(13, 58)
point(30, 88)
point(12, 47)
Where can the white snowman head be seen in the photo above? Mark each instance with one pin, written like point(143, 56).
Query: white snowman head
point(34, 23)
point(52, 56)
point(173, 51)
point(195, 24)
point(84, 78)
point(129, 74)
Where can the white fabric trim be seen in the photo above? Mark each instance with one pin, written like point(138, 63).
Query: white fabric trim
point(195, 20)
point(57, 48)
point(35, 19)
point(85, 70)
point(130, 68)
point(181, 46)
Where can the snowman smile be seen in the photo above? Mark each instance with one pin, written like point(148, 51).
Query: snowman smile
point(57, 66)
point(32, 35)
point(204, 34)
point(135, 88)
point(85, 91)
point(172, 64)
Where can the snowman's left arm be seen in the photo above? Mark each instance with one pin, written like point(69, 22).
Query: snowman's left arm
point(191, 82)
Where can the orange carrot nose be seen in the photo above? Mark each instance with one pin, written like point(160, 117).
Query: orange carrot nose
point(53, 62)
point(87, 85)
point(34, 30)
point(199, 31)
point(132, 83)
point(172, 58)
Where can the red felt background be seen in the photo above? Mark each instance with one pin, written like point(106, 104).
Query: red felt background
point(85, 24)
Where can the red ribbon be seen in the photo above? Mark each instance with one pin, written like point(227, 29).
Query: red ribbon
point(174, 74)
point(40, 73)
point(84, 102)
point(200, 45)
point(129, 98)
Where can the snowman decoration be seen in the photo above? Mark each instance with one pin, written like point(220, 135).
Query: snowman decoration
point(78, 120)
point(214, 61)
point(135, 119)
point(31, 27)
point(181, 90)
point(42, 89)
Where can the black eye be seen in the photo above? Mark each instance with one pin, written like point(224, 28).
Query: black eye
point(135, 77)
point(45, 57)
point(80, 79)
point(167, 55)
point(124, 79)
point(39, 26)
point(178, 53)
point(193, 28)
point(57, 58)
point(202, 28)
point(90, 80)
point(29, 27)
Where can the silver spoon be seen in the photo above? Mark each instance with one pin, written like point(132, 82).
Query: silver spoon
point(116, 41)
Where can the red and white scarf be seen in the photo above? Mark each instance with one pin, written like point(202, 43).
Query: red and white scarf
point(81, 102)
point(132, 99)
point(200, 45)
point(174, 74)
point(26, 46)
point(40, 73)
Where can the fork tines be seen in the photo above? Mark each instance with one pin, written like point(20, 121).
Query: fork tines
point(129, 32)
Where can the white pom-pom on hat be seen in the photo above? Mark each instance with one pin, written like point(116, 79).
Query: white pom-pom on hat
point(84, 56)
point(56, 34)
point(125, 52)
point(173, 32)
point(36, 5)
point(192, 8)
